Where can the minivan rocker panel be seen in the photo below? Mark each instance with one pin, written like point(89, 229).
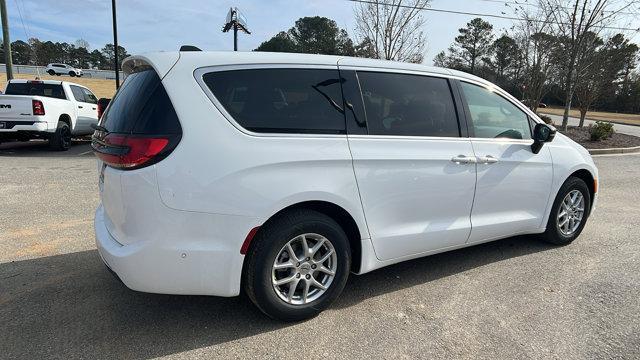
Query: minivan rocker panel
point(317, 149)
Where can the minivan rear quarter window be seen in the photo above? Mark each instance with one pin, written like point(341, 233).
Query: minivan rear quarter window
point(408, 105)
point(281, 100)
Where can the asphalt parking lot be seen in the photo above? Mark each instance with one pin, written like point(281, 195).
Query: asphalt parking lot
point(516, 298)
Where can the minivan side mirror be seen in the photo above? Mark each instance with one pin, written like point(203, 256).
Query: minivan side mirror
point(542, 133)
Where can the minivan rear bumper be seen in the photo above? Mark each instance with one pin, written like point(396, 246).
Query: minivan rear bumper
point(186, 268)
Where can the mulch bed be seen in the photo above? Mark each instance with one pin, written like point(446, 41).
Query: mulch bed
point(617, 140)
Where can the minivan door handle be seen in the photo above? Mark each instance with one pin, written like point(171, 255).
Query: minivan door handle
point(462, 159)
point(487, 159)
point(79, 106)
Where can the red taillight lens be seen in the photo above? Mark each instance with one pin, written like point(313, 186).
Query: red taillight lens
point(128, 151)
point(38, 107)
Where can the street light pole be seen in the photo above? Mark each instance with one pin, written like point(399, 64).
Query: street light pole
point(115, 43)
point(235, 37)
point(7, 42)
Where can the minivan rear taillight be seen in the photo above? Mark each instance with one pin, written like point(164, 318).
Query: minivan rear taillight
point(139, 126)
point(127, 151)
point(38, 107)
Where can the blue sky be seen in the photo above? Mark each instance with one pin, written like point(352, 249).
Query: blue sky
point(150, 25)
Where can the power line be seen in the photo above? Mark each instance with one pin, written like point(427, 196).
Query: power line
point(26, 15)
point(480, 14)
point(525, 3)
point(27, 33)
point(21, 20)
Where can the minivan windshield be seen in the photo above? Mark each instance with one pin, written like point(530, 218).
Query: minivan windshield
point(36, 89)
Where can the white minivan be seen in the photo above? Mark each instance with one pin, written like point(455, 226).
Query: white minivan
point(282, 173)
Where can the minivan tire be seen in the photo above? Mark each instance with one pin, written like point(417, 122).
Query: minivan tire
point(61, 139)
point(269, 243)
point(72, 74)
point(553, 233)
point(51, 72)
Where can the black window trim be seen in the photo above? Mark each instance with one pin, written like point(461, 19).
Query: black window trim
point(355, 114)
point(199, 73)
point(467, 113)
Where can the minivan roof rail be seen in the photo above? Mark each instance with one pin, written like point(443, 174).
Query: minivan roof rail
point(189, 48)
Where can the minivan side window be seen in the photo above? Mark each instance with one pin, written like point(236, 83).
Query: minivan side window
point(408, 105)
point(281, 100)
point(493, 116)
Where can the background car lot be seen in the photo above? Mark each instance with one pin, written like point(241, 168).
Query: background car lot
point(512, 298)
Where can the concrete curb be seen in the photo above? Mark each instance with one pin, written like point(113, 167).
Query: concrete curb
point(626, 150)
point(591, 119)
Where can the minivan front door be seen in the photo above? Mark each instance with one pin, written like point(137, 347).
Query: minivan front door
point(415, 173)
point(513, 183)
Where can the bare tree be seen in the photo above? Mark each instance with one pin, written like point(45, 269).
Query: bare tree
point(592, 65)
point(82, 43)
point(572, 21)
point(394, 28)
point(537, 51)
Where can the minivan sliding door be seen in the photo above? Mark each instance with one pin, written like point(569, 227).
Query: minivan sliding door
point(415, 173)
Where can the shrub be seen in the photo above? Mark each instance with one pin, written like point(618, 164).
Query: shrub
point(546, 119)
point(601, 130)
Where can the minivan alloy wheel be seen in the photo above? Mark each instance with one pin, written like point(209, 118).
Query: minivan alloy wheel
point(304, 269)
point(570, 212)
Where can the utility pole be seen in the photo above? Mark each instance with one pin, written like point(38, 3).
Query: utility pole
point(7, 42)
point(115, 42)
point(236, 21)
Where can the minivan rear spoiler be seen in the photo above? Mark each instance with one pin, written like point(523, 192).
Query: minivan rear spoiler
point(161, 62)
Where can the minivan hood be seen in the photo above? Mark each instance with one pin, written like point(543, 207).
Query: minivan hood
point(581, 149)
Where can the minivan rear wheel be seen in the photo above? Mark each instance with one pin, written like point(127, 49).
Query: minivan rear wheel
point(298, 264)
point(569, 212)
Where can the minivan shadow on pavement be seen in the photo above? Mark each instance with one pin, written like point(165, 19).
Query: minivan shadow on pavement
point(69, 305)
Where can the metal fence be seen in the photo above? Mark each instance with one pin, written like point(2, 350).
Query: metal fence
point(89, 73)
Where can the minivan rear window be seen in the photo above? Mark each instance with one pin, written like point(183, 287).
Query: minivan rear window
point(141, 106)
point(35, 89)
point(281, 100)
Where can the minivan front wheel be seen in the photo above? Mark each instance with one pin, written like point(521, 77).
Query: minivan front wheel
point(569, 212)
point(298, 265)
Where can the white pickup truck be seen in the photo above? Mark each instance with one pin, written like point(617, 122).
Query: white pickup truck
point(53, 110)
